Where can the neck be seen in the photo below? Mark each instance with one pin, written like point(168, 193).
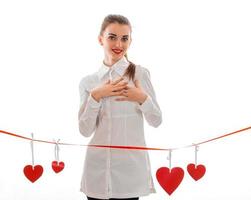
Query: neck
point(109, 61)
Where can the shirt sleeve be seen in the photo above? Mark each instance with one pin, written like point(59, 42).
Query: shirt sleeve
point(150, 107)
point(88, 111)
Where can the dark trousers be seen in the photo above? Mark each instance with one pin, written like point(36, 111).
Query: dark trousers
point(135, 198)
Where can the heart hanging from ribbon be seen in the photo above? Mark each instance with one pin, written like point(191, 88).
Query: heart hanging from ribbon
point(196, 172)
point(33, 173)
point(57, 166)
point(168, 179)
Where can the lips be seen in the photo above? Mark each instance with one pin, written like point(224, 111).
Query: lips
point(117, 51)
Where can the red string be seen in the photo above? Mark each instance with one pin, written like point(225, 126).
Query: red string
point(129, 147)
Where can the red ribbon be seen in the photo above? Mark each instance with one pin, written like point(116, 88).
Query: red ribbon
point(129, 147)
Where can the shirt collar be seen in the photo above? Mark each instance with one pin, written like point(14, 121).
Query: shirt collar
point(120, 67)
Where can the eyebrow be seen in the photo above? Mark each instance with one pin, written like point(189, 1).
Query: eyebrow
point(116, 35)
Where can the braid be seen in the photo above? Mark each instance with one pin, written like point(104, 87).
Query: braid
point(130, 71)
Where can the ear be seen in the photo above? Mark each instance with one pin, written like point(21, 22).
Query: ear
point(100, 40)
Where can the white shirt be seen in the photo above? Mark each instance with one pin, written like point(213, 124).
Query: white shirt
point(116, 173)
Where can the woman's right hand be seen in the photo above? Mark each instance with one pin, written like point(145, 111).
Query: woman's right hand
point(114, 88)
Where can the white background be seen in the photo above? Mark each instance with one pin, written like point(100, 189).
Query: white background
point(198, 53)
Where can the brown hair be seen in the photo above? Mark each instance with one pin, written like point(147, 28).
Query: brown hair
point(109, 19)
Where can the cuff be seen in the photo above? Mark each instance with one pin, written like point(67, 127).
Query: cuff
point(146, 105)
point(93, 103)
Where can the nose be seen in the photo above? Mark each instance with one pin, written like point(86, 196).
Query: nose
point(118, 43)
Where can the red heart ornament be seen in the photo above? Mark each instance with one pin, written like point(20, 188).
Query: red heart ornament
point(33, 173)
point(196, 172)
point(57, 166)
point(170, 180)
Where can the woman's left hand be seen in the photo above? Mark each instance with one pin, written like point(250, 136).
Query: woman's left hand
point(133, 93)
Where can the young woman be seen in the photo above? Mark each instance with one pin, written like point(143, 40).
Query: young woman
point(113, 101)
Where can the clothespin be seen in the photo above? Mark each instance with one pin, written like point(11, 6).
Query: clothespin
point(196, 149)
point(32, 149)
point(56, 150)
point(169, 157)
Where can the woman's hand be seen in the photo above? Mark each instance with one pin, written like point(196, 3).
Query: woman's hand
point(114, 88)
point(133, 94)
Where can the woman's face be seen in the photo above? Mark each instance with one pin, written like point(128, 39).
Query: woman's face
point(116, 39)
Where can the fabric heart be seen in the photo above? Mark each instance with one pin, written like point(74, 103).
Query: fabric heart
point(196, 172)
point(170, 180)
point(33, 173)
point(57, 166)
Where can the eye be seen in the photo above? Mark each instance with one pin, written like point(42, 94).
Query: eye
point(111, 37)
point(124, 39)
